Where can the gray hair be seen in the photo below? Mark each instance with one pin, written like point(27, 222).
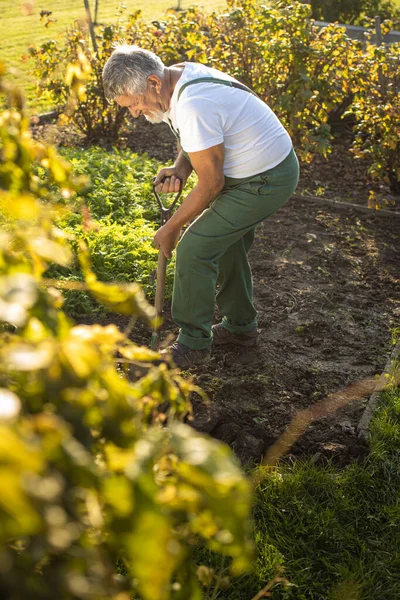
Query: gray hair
point(127, 70)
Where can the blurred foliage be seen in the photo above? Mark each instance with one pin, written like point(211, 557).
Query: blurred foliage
point(355, 12)
point(95, 467)
point(308, 76)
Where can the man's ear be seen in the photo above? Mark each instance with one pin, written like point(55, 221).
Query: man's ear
point(154, 83)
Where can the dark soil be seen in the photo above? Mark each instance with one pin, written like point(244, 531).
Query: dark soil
point(327, 294)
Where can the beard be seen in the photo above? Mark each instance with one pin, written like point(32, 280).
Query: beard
point(156, 116)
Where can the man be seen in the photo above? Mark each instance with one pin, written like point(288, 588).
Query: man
point(246, 170)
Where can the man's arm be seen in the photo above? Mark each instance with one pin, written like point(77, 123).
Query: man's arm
point(208, 165)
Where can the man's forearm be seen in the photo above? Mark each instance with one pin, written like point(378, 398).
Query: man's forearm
point(194, 204)
point(182, 164)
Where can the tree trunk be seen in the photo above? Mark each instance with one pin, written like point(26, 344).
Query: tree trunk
point(90, 23)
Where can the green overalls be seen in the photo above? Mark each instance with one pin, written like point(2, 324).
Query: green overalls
point(214, 249)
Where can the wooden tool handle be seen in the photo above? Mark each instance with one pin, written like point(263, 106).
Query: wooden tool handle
point(160, 284)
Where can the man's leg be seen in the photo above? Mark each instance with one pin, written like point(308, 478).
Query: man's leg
point(235, 296)
point(233, 215)
point(196, 271)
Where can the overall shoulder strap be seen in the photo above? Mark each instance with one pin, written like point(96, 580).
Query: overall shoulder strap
point(226, 82)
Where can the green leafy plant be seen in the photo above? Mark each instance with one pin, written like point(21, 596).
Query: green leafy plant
point(118, 222)
point(96, 467)
point(55, 65)
point(355, 12)
point(376, 108)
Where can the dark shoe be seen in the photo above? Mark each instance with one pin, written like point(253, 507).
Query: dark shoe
point(222, 336)
point(185, 357)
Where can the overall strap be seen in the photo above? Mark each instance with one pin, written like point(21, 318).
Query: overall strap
point(226, 82)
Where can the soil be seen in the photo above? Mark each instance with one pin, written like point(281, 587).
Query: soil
point(326, 287)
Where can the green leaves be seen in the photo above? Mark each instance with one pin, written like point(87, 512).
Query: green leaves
point(376, 108)
point(127, 299)
point(17, 514)
point(207, 467)
point(189, 498)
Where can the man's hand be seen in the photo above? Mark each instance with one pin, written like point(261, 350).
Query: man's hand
point(168, 181)
point(166, 239)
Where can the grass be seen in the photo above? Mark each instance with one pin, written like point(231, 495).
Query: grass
point(20, 27)
point(335, 532)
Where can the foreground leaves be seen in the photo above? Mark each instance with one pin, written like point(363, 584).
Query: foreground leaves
point(95, 465)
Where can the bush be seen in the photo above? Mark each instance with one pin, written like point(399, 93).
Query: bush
point(355, 12)
point(302, 73)
point(376, 108)
point(94, 117)
point(305, 74)
point(96, 468)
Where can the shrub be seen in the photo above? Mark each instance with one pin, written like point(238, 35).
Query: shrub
point(94, 117)
point(355, 12)
point(305, 74)
point(302, 73)
point(376, 108)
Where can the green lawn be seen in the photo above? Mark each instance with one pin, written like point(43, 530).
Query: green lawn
point(21, 27)
point(335, 532)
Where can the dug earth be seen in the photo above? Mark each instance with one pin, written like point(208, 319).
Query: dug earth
point(327, 294)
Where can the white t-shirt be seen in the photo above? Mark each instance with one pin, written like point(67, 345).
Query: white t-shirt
point(208, 114)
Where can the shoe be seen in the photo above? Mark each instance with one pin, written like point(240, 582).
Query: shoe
point(222, 336)
point(185, 357)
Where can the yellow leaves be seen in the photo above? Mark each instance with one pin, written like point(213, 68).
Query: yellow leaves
point(153, 551)
point(29, 357)
point(118, 494)
point(117, 459)
point(104, 337)
point(51, 251)
point(17, 460)
point(25, 207)
point(18, 293)
point(76, 76)
point(191, 53)
point(138, 353)
point(79, 357)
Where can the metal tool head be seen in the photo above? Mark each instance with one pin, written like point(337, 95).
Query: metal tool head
point(166, 211)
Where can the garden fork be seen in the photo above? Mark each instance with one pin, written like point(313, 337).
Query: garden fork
point(166, 213)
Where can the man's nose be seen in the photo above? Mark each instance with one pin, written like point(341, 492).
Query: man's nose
point(134, 112)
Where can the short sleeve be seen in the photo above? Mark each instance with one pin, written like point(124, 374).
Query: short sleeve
point(199, 123)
